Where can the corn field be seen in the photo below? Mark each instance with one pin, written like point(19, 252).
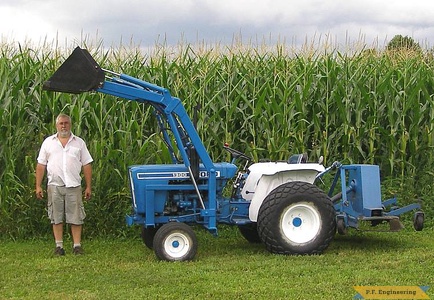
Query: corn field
point(361, 106)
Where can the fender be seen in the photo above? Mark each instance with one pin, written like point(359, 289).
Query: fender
point(265, 177)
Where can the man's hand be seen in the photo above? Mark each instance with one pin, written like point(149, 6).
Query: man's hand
point(87, 172)
point(39, 193)
point(87, 193)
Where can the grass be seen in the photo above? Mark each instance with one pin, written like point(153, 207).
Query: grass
point(226, 267)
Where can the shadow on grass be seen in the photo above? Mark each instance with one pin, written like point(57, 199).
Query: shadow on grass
point(232, 243)
point(372, 241)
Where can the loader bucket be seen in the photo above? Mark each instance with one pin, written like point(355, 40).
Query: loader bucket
point(79, 73)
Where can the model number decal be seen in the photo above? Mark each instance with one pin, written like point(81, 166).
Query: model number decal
point(181, 175)
point(173, 175)
point(202, 174)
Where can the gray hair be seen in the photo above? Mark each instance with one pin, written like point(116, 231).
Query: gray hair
point(61, 115)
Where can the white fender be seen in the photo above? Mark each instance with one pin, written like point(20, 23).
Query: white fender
point(265, 177)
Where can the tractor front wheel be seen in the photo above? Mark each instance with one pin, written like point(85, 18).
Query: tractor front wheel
point(297, 218)
point(175, 241)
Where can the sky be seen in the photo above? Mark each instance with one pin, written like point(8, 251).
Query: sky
point(146, 23)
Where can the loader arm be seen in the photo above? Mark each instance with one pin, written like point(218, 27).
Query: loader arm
point(174, 112)
point(81, 73)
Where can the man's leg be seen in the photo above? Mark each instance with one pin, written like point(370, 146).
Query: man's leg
point(55, 213)
point(58, 238)
point(74, 216)
point(76, 237)
point(58, 232)
point(76, 233)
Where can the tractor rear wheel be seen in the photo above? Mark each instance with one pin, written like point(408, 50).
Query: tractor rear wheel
point(175, 241)
point(297, 218)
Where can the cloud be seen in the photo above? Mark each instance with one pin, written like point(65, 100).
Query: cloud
point(145, 21)
point(23, 24)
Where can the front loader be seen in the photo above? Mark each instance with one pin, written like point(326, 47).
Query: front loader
point(276, 203)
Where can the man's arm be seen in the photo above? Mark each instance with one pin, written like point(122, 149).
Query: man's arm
point(40, 171)
point(87, 172)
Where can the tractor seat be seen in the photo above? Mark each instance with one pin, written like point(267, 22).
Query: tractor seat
point(298, 159)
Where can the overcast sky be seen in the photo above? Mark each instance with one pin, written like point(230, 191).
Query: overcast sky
point(145, 22)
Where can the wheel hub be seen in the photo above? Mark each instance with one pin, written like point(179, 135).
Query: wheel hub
point(296, 222)
point(177, 245)
point(301, 222)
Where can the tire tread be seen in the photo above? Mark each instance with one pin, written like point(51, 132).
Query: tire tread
point(269, 212)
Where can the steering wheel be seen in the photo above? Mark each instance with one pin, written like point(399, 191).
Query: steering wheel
point(236, 153)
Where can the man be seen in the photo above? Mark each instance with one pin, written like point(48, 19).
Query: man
point(64, 155)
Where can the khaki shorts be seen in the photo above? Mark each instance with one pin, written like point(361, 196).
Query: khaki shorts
point(68, 202)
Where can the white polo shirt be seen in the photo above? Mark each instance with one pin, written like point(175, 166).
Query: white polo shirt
point(64, 164)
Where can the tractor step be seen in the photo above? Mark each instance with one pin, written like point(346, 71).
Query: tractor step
point(240, 221)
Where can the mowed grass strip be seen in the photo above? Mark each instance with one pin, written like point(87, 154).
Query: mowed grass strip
point(226, 267)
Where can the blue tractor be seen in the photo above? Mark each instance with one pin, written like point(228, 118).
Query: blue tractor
point(276, 203)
